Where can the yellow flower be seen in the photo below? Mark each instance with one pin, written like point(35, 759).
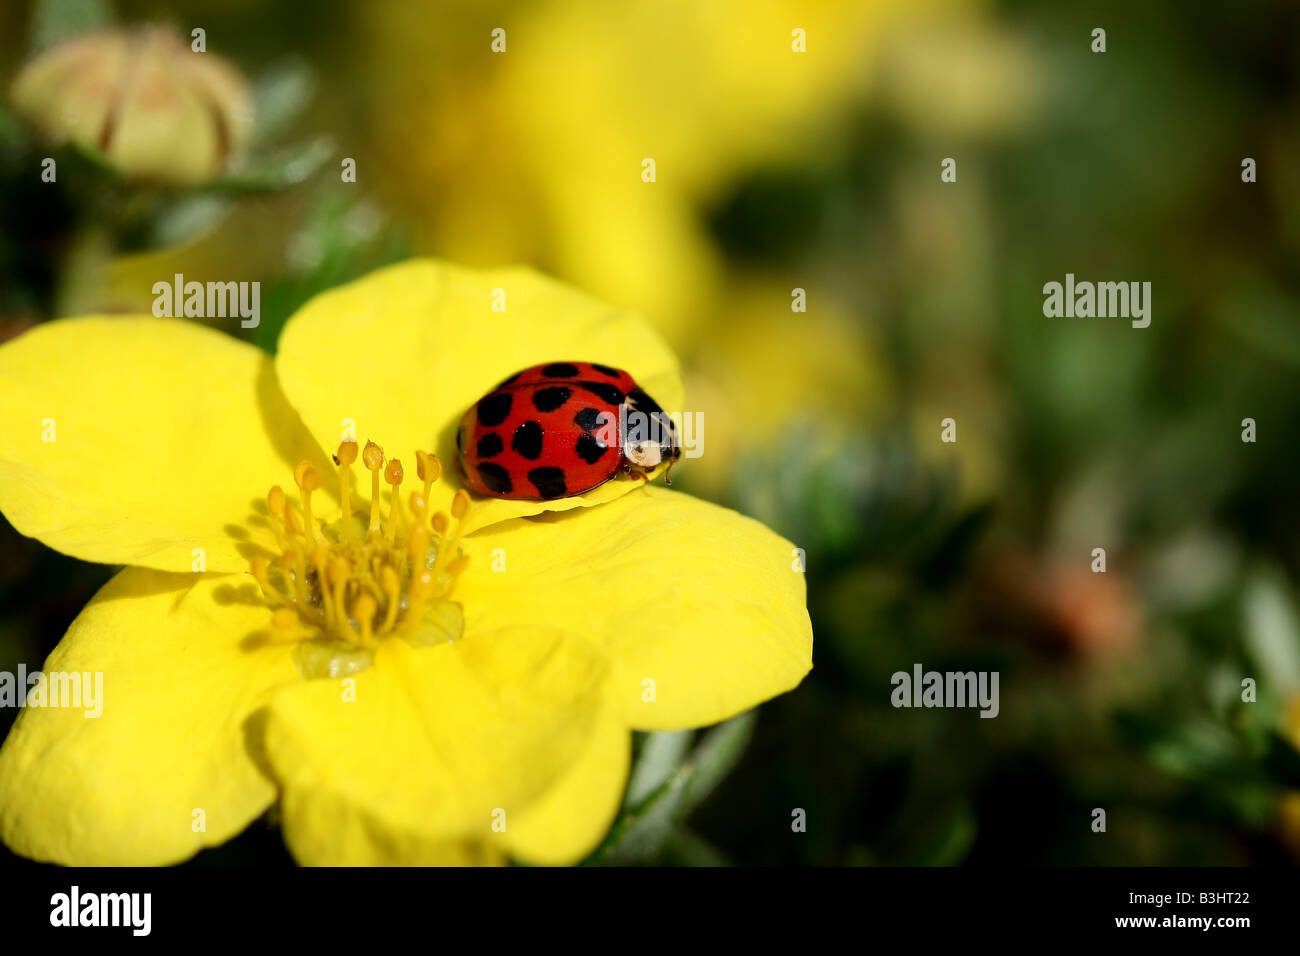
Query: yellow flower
point(538, 153)
point(157, 109)
point(457, 683)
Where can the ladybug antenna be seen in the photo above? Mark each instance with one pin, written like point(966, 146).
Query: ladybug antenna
point(668, 481)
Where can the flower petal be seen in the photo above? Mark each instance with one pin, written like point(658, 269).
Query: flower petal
point(700, 600)
point(568, 821)
point(437, 742)
point(138, 440)
point(406, 350)
point(182, 673)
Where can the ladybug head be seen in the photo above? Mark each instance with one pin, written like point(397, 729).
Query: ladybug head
point(650, 437)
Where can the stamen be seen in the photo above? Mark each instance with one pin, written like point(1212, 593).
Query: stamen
point(421, 587)
point(260, 567)
point(320, 561)
point(347, 454)
point(363, 609)
point(308, 481)
point(447, 547)
point(340, 572)
point(275, 508)
point(428, 468)
point(338, 594)
point(392, 586)
point(373, 458)
point(393, 475)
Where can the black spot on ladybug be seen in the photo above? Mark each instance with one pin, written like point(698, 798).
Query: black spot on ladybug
point(495, 477)
point(590, 450)
point(493, 410)
point(642, 401)
point(588, 419)
point(604, 391)
point(560, 370)
point(506, 381)
point(606, 370)
point(489, 446)
point(548, 481)
point(528, 440)
point(549, 399)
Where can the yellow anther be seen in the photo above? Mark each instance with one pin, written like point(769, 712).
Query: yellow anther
point(460, 504)
point(428, 468)
point(372, 456)
point(347, 453)
point(275, 508)
point(308, 481)
point(304, 475)
point(454, 570)
point(260, 569)
point(441, 522)
point(393, 475)
point(284, 619)
point(418, 504)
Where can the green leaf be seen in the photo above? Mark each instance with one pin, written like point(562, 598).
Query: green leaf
point(717, 754)
point(184, 218)
point(639, 835)
point(660, 756)
point(55, 20)
point(279, 96)
point(649, 829)
point(1271, 633)
point(283, 171)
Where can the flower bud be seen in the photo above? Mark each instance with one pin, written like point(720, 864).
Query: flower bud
point(159, 111)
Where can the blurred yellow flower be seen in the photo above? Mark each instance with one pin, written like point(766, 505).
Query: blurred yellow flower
point(760, 368)
point(413, 686)
point(537, 153)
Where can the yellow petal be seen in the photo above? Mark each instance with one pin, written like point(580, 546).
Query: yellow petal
point(139, 440)
point(701, 609)
point(437, 745)
point(405, 351)
point(568, 821)
point(181, 676)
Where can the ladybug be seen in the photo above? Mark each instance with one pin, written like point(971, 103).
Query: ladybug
point(560, 429)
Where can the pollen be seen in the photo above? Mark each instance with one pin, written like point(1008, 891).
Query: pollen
point(377, 573)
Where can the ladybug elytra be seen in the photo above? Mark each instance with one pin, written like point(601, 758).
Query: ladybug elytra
point(560, 429)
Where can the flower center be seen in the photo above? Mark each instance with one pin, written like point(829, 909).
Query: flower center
point(339, 589)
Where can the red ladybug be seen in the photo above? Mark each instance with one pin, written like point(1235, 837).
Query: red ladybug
point(561, 429)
